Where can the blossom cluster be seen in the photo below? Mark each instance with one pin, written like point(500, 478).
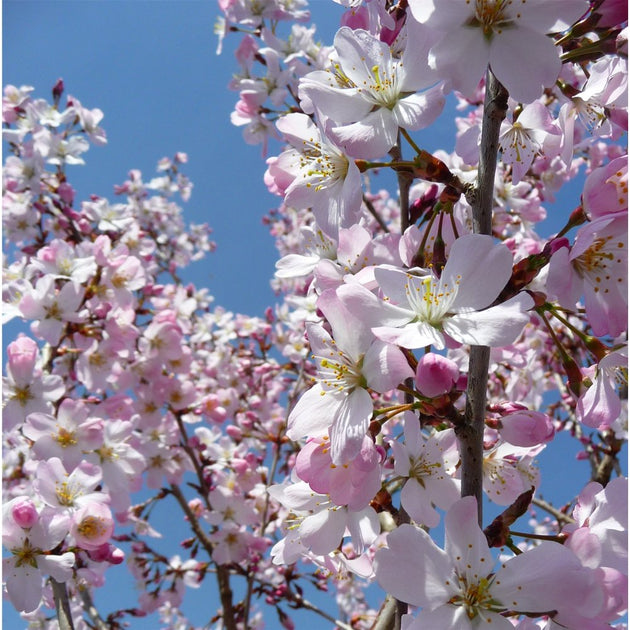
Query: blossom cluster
point(322, 442)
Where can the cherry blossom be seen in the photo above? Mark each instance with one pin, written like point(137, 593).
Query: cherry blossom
point(26, 389)
point(533, 132)
point(316, 174)
point(427, 463)
point(454, 304)
point(595, 268)
point(31, 559)
point(457, 587)
point(349, 362)
point(368, 93)
point(499, 34)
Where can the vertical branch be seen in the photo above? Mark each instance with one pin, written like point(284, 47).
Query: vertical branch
point(404, 184)
point(470, 433)
point(62, 604)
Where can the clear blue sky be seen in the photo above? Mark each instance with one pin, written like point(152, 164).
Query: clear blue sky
point(151, 67)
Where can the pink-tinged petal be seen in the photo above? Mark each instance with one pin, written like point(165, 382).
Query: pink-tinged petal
point(359, 53)
point(417, 503)
point(416, 71)
point(385, 366)
point(413, 335)
point(495, 327)
point(562, 282)
point(480, 267)
point(350, 425)
point(586, 547)
point(363, 527)
point(420, 110)
point(60, 567)
point(370, 138)
point(462, 43)
point(352, 335)
point(372, 310)
point(547, 577)
point(340, 104)
point(524, 82)
point(413, 569)
point(465, 543)
point(455, 618)
point(546, 17)
point(323, 531)
point(295, 266)
point(312, 413)
point(600, 406)
point(23, 584)
point(296, 128)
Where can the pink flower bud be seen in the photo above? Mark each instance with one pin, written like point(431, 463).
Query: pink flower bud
point(526, 428)
point(435, 375)
point(66, 192)
point(22, 357)
point(24, 513)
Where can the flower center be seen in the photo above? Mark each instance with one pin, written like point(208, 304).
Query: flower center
point(430, 298)
point(595, 264)
point(475, 597)
point(490, 16)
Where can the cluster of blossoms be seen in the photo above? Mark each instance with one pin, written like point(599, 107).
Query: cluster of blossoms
point(325, 440)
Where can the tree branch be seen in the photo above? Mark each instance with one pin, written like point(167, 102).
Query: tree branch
point(60, 594)
point(470, 433)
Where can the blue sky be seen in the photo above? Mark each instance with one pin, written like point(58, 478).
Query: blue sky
point(151, 67)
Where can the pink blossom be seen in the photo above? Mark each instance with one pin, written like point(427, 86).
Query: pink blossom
point(319, 525)
point(457, 303)
point(427, 464)
point(369, 92)
point(458, 588)
point(606, 189)
point(66, 435)
point(508, 471)
point(348, 364)
point(600, 406)
point(604, 512)
point(25, 389)
point(53, 309)
point(30, 559)
point(532, 133)
point(92, 525)
point(595, 267)
point(353, 483)
point(500, 35)
point(68, 491)
point(316, 174)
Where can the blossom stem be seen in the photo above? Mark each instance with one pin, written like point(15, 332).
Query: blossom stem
point(60, 594)
point(560, 538)
point(470, 432)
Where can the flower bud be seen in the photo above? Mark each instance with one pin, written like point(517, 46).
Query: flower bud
point(526, 428)
point(435, 375)
point(24, 513)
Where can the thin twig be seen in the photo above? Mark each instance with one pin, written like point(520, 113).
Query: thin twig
point(223, 574)
point(91, 610)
